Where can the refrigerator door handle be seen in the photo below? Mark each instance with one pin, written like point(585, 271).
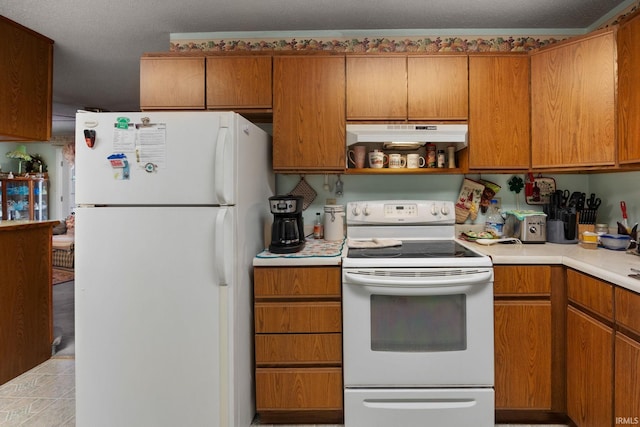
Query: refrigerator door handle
point(221, 164)
point(221, 254)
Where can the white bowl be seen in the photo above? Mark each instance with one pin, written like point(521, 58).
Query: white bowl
point(616, 242)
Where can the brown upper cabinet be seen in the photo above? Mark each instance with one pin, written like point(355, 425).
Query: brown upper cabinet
point(573, 103)
point(499, 128)
point(628, 91)
point(26, 61)
point(172, 82)
point(401, 87)
point(309, 113)
point(239, 82)
point(197, 82)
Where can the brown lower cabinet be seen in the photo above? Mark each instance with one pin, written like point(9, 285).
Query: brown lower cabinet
point(627, 358)
point(529, 343)
point(298, 344)
point(590, 356)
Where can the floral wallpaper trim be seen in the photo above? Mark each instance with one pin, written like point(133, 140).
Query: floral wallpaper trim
point(383, 44)
point(431, 44)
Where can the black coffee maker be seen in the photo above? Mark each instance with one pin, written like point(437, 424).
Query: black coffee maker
point(287, 231)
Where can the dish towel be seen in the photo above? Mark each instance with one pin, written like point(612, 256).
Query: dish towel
point(373, 243)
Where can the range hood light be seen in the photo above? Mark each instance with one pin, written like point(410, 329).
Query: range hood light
point(402, 145)
point(408, 134)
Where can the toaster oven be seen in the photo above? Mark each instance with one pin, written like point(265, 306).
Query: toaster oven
point(528, 228)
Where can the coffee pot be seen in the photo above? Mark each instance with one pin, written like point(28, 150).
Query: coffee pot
point(287, 231)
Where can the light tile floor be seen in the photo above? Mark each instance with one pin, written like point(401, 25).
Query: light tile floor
point(41, 397)
point(45, 397)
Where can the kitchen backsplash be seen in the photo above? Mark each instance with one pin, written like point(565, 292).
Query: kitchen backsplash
point(610, 187)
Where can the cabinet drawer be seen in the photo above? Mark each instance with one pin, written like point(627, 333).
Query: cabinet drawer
point(522, 280)
point(305, 317)
point(299, 349)
point(590, 293)
point(300, 282)
point(315, 388)
point(628, 309)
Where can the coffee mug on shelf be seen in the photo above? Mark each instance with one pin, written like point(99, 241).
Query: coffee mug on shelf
point(414, 160)
point(396, 161)
point(377, 159)
point(357, 155)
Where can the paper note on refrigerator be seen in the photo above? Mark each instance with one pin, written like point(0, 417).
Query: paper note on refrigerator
point(151, 144)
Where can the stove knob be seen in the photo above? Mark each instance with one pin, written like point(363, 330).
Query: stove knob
point(366, 211)
point(356, 210)
point(445, 210)
point(434, 210)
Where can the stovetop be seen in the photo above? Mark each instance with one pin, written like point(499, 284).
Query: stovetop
point(426, 229)
point(416, 249)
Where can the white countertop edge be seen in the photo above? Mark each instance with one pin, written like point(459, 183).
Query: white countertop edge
point(610, 266)
point(296, 262)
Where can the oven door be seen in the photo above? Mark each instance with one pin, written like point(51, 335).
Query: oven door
point(407, 327)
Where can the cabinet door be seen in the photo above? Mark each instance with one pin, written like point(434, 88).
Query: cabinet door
point(297, 282)
point(589, 370)
point(628, 309)
point(290, 389)
point(377, 88)
point(629, 91)
point(298, 349)
point(26, 61)
point(309, 127)
point(627, 380)
point(499, 130)
point(238, 82)
point(523, 355)
point(590, 293)
point(530, 280)
point(172, 83)
point(438, 87)
point(300, 317)
point(572, 103)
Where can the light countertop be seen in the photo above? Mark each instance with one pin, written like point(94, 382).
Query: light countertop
point(315, 252)
point(605, 264)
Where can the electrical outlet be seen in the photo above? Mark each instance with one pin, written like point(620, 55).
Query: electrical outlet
point(499, 202)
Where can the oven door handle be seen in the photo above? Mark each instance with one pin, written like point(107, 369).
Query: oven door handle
point(436, 281)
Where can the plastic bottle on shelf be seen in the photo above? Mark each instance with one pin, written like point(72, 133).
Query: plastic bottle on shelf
point(318, 228)
point(494, 221)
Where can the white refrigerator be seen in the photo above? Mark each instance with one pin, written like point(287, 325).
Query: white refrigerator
point(170, 208)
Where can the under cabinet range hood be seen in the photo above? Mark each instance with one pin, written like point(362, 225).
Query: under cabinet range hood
point(408, 136)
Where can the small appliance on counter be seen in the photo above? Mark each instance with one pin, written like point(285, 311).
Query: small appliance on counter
point(287, 231)
point(527, 226)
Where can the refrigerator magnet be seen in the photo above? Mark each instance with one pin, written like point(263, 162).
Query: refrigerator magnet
point(90, 137)
point(120, 166)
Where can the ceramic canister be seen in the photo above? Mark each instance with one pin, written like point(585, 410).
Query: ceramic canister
point(333, 222)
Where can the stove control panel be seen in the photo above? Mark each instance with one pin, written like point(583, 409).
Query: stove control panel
point(401, 212)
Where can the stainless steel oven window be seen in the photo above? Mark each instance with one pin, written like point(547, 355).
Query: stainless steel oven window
point(422, 323)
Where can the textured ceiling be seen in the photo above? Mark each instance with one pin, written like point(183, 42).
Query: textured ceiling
point(98, 43)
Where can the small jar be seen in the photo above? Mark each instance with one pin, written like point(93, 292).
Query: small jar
point(601, 229)
point(441, 158)
point(431, 156)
